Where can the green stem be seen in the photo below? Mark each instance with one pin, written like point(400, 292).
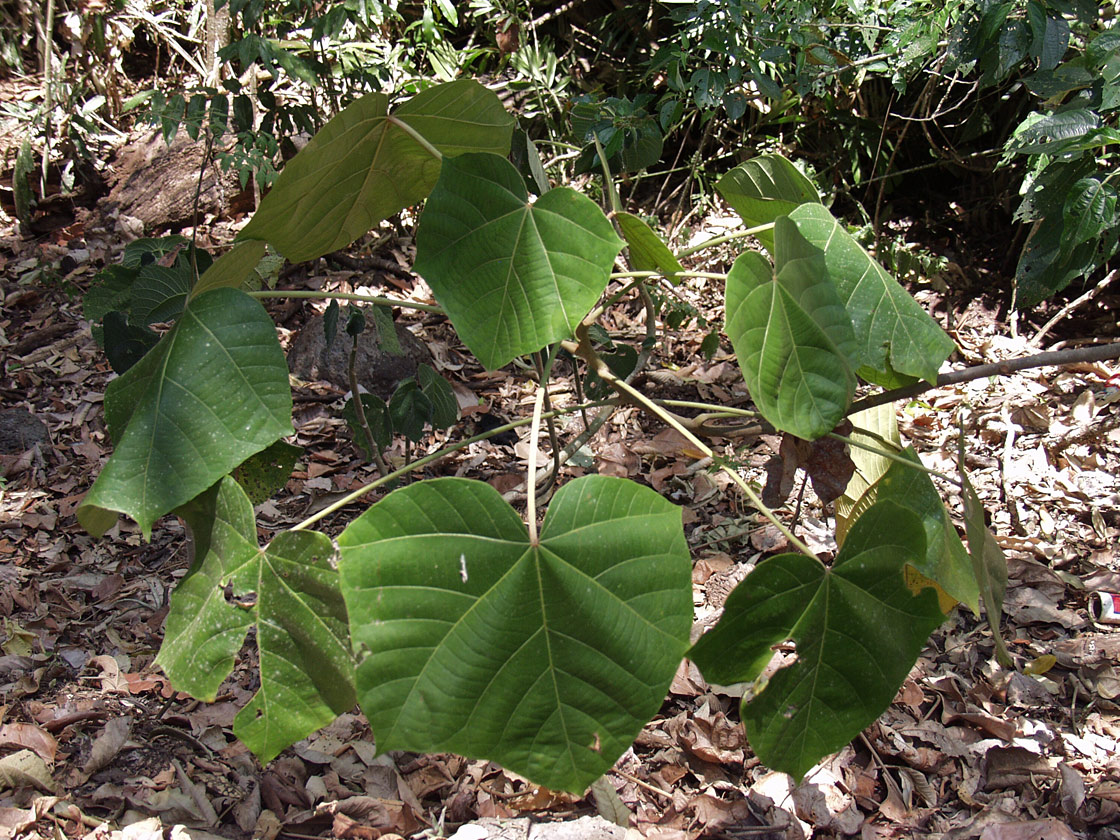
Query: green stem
point(642, 275)
point(380, 301)
point(415, 135)
point(608, 181)
point(585, 351)
point(719, 240)
point(48, 95)
point(544, 374)
point(892, 456)
point(713, 409)
point(435, 456)
point(531, 481)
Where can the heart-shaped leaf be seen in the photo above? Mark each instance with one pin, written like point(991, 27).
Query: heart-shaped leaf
point(213, 392)
point(512, 276)
point(409, 410)
point(896, 335)
point(367, 164)
point(548, 658)
point(792, 335)
point(857, 629)
point(288, 592)
point(764, 188)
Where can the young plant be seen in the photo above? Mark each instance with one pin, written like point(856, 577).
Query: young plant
point(456, 625)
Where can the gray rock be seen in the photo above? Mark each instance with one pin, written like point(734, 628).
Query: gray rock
point(378, 372)
point(521, 828)
point(20, 430)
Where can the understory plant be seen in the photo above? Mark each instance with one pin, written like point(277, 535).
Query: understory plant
point(456, 623)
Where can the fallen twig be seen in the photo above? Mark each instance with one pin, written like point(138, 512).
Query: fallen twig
point(1079, 355)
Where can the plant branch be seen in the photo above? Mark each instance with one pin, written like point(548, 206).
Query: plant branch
point(585, 351)
point(531, 480)
point(1080, 355)
point(432, 458)
point(380, 301)
point(719, 240)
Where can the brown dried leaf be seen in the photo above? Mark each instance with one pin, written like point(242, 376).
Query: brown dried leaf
point(31, 737)
point(1033, 830)
point(106, 746)
point(25, 769)
point(826, 462)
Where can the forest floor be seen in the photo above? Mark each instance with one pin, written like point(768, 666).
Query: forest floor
point(95, 742)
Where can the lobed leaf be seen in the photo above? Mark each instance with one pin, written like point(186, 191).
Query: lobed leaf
point(288, 593)
point(857, 629)
point(548, 658)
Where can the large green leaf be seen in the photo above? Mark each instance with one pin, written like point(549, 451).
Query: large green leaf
point(897, 336)
point(792, 335)
point(1090, 208)
point(547, 658)
point(367, 164)
point(764, 188)
point(512, 275)
point(857, 629)
point(1044, 268)
point(946, 562)
point(213, 392)
point(1052, 130)
point(288, 593)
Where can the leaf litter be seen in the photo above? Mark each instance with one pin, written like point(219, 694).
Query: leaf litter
point(94, 742)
